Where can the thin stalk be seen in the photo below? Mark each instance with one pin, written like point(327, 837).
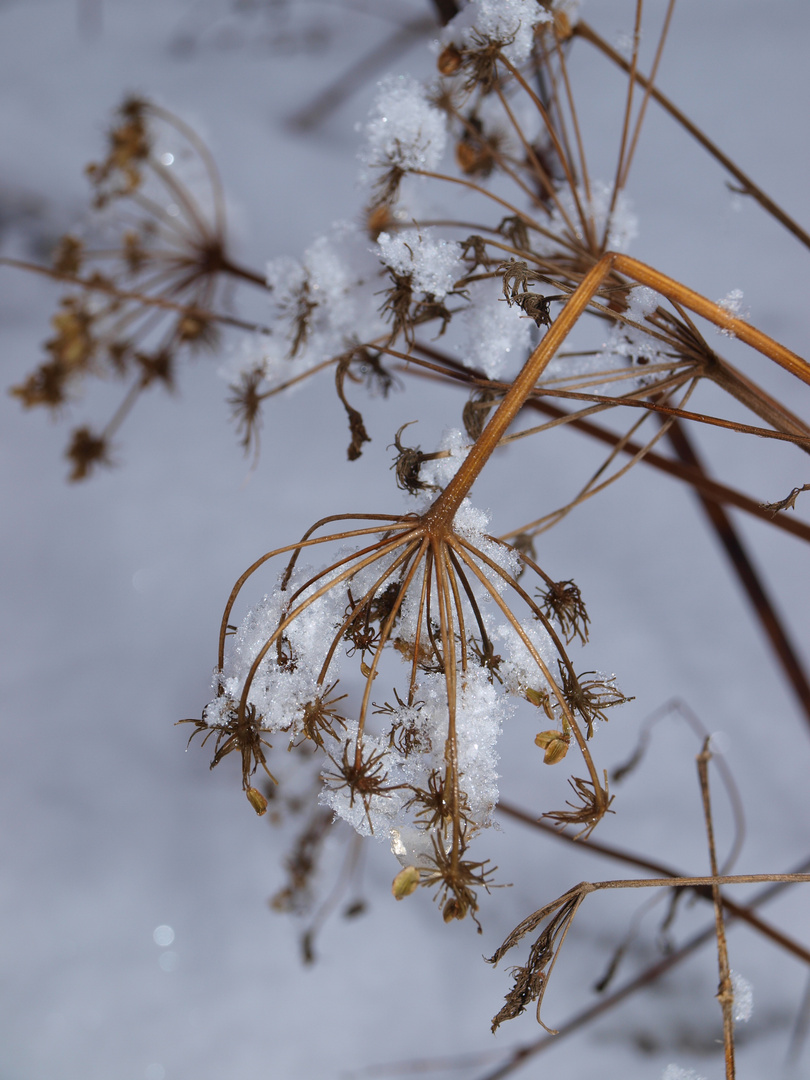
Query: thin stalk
point(647, 92)
point(583, 30)
point(628, 109)
point(725, 993)
point(521, 1054)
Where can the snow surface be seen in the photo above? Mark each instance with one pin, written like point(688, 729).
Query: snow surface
point(112, 592)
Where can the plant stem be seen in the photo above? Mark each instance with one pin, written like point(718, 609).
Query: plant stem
point(441, 514)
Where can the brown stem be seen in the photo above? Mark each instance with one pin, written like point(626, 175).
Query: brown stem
point(725, 992)
point(769, 619)
point(443, 511)
point(448, 367)
point(521, 1054)
point(583, 30)
point(243, 272)
point(94, 285)
point(735, 910)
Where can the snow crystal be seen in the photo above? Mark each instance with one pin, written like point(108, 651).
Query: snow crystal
point(404, 129)
point(319, 303)
point(642, 301)
point(493, 332)
point(732, 303)
point(511, 22)
point(414, 847)
point(435, 265)
point(743, 998)
point(519, 669)
point(675, 1072)
point(631, 341)
point(470, 522)
point(440, 471)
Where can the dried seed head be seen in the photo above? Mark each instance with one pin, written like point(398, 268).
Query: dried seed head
point(67, 257)
point(555, 744)
point(85, 451)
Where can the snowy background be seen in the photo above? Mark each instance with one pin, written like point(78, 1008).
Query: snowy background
point(112, 591)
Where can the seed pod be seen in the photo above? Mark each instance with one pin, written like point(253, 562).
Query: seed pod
point(454, 909)
point(474, 159)
point(539, 698)
point(449, 60)
point(256, 800)
point(406, 882)
point(562, 26)
point(555, 744)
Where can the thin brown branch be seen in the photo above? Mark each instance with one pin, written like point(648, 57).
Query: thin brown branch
point(522, 1054)
point(725, 992)
point(608, 851)
point(766, 612)
point(747, 185)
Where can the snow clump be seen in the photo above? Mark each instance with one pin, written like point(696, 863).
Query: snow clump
point(434, 265)
point(404, 129)
point(675, 1072)
point(743, 998)
point(511, 22)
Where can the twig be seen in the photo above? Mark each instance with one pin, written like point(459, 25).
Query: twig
point(725, 992)
point(521, 1054)
point(748, 577)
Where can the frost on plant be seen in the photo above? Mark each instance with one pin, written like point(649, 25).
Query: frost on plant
point(675, 1072)
point(743, 998)
point(428, 607)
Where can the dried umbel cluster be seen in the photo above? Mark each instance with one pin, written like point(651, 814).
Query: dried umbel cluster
point(142, 277)
point(483, 215)
point(416, 764)
point(489, 256)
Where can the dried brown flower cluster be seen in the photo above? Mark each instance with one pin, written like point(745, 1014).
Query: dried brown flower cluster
point(143, 279)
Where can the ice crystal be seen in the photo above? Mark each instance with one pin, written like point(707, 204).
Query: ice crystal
point(495, 338)
point(509, 22)
point(743, 998)
point(733, 304)
point(403, 129)
point(434, 265)
point(675, 1072)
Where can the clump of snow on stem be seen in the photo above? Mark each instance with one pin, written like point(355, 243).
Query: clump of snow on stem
point(629, 339)
point(404, 129)
point(512, 23)
point(438, 472)
point(733, 304)
point(519, 668)
point(495, 338)
point(618, 226)
point(279, 693)
point(434, 264)
point(471, 524)
point(319, 303)
point(379, 813)
point(743, 998)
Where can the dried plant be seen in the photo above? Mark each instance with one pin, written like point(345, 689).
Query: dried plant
point(526, 301)
point(142, 278)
